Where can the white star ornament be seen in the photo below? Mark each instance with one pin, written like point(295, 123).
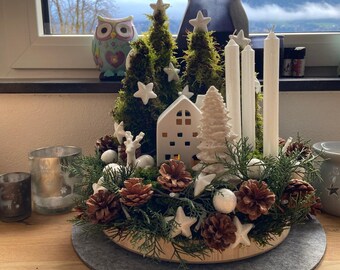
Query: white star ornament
point(202, 182)
point(200, 22)
point(240, 39)
point(119, 131)
point(183, 223)
point(159, 6)
point(145, 92)
point(241, 233)
point(172, 73)
point(186, 92)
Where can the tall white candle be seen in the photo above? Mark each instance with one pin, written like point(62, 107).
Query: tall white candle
point(248, 94)
point(232, 77)
point(271, 95)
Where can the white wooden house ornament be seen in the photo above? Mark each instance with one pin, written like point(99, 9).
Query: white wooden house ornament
point(177, 129)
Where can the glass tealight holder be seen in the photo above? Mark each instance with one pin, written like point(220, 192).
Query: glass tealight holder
point(53, 187)
point(15, 196)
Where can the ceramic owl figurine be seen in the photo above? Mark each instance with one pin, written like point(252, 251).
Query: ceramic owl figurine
point(111, 44)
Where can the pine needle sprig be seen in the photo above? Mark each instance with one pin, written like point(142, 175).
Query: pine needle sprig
point(113, 180)
point(89, 169)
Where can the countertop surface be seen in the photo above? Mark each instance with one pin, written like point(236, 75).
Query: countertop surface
point(44, 242)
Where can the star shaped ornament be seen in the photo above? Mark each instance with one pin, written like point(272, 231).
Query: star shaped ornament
point(186, 92)
point(332, 190)
point(183, 223)
point(145, 92)
point(172, 73)
point(159, 6)
point(119, 131)
point(200, 22)
point(202, 182)
point(241, 233)
point(240, 39)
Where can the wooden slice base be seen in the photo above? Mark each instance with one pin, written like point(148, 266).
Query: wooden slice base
point(229, 255)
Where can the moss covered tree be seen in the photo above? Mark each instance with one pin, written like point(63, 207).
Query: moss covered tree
point(163, 46)
point(203, 63)
point(136, 116)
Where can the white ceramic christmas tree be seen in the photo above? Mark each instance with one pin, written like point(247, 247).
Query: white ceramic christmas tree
point(214, 131)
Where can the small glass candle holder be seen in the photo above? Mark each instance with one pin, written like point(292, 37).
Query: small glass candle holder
point(15, 196)
point(53, 187)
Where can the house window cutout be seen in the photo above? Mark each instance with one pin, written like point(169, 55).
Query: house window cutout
point(187, 143)
point(164, 134)
point(178, 122)
point(188, 122)
point(179, 134)
point(177, 156)
point(172, 143)
point(167, 157)
point(187, 113)
point(194, 134)
point(179, 113)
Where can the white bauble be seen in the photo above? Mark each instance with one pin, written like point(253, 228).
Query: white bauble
point(255, 168)
point(145, 161)
point(109, 156)
point(299, 172)
point(112, 167)
point(96, 187)
point(224, 201)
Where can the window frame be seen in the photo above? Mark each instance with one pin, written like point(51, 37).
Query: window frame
point(73, 52)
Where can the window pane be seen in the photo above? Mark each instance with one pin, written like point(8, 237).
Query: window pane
point(80, 16)
point(293, 15)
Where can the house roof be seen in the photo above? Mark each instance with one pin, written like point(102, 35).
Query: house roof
point(180, 100)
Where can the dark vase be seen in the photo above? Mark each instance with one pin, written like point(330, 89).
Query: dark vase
point(226, 16)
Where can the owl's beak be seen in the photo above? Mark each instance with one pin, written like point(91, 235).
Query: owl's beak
point(113, 35)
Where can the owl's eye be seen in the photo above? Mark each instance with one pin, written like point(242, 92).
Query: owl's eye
point(104, 30)
point(124, 30)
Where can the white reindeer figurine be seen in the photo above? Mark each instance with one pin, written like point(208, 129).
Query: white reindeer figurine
point(131, 147)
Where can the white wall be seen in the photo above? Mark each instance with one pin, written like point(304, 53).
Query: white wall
point(315, 115)
point(31, 121)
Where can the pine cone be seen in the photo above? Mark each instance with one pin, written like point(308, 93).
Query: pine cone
point(105, 143)
point(135, 193)
point(282, 141)
point(299, 148)
point(173, 176)
point(103, 207)
point(298, 190)
point(218, 231)
point(254, 198)
point(316, 207)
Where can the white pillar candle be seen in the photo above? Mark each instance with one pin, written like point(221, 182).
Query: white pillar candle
point(232, 77)
point(271, 95)
point(248, 94)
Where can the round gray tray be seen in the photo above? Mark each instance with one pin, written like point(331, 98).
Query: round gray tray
point(303, 249)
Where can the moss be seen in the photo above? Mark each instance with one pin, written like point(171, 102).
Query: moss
point(203, 64)
point(163, 47)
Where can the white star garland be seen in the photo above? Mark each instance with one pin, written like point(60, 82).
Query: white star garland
point(241, 233)
point(159, 6)
point(202, 182)
point(145, 92)
point(240, 39)
point(172, 72)
point(200, 22)
point(182, 223)
point(186, 92)
point(119, 131)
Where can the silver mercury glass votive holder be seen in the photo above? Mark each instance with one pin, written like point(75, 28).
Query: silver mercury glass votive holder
point(53, 188)
point(15, 196)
